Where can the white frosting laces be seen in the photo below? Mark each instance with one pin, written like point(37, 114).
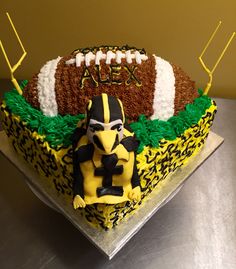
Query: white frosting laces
point(118, 56)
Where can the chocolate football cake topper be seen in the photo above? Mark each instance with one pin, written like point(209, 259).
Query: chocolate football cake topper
point(104, 156)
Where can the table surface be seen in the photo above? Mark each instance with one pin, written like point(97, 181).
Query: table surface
point(196, 229)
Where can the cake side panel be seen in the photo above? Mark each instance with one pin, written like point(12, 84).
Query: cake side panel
point(53, 165)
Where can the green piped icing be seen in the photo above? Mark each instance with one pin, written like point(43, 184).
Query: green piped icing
point(150, 132)
point(58, 130)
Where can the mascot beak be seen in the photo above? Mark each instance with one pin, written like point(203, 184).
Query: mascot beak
point(106, 140)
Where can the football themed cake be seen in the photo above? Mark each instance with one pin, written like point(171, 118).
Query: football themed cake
point(105, 125)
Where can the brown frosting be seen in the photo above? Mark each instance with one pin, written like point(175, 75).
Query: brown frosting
point(31, 92)
point(72, 93)
point(185, 91)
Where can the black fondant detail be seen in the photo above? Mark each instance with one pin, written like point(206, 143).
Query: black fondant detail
point(96, 111)
point(130, 143)
point(78, 186)
point(109, 169)
point(116, 143)
point(111, 190)
point(117, 127)
point(100, 171)
point(84, 153)
point(109, 161)
point(115, 109)
point(127, 127)
point(96, 127)
point(78, 133)
point(135, 180)
point(98, 142)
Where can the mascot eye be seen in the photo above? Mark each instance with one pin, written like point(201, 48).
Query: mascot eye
point(117, 127)
point(95, 127)
point(92, 129)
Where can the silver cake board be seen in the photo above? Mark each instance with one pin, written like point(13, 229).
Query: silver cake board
point(111, 241)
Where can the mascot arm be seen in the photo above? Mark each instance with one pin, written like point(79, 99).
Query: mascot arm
point(78, 183)
point(82, 154)
point(78, 188)
point(135, 193)
point(135, 181)
point(78, 133)
point(130, 143)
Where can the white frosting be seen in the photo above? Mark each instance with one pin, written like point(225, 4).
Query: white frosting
point(88, 58)
point(118, 56)
point(79, 58)
point(71, 61)
point(46, 88)
point(128, 56)
point(99, 56)
point(110, 55)
point(138, 57)
point(164, 94)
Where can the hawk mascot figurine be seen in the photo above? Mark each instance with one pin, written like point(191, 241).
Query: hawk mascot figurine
point(104, 160)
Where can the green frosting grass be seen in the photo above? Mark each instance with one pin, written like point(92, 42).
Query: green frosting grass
point(58, 130)
point(150, 132)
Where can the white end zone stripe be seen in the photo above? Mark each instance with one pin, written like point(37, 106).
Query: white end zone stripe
point(164, 95)
point(46, 88)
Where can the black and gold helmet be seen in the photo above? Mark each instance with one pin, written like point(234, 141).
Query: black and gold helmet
point(105, 122)
point(105, 109)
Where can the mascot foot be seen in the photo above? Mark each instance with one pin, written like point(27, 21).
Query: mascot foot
point(78, 202)
point(135, 194)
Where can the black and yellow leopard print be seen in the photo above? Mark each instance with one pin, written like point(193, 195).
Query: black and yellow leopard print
point(154, 164)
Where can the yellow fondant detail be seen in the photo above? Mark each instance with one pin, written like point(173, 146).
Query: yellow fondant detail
point(78, 202)
point(122, 110)
point(127, 133)
point(89, 105)
point(135, 194)
point(106, 109)
point(107, 138)
point(91, 182)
